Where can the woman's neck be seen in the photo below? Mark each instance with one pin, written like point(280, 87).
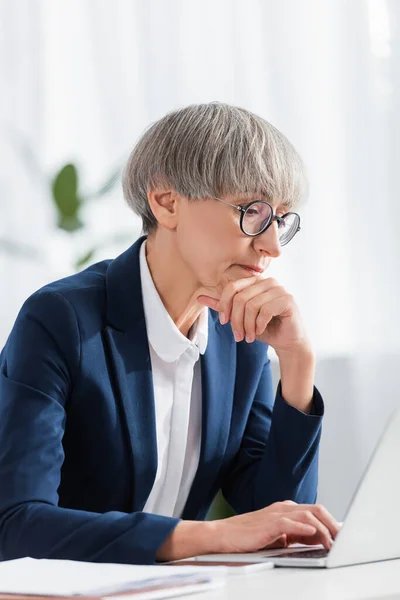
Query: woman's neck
point(173, 280)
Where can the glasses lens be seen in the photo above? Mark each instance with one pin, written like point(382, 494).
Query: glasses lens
point(288, 228)
point(256, 218)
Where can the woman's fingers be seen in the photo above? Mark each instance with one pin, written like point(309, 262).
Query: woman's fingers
point(321, 513)
point(322, 532)
point(259, 311)
point(208, 301)
point(313, 514)
point(248, 304)
point(291, 527)
point(248, 287)
point(223, 304)
point(244, 314)
point(325, 517)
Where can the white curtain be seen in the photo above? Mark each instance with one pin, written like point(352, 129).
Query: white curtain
point(80, 80)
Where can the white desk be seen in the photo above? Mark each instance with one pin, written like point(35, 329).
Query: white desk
point(372, 581)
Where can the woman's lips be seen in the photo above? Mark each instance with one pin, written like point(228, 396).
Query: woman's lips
point(250, 270)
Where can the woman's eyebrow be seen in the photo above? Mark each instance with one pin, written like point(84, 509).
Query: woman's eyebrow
point(244, 200)
point(282, 207)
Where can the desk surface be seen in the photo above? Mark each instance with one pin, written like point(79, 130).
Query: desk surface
point(372, 581)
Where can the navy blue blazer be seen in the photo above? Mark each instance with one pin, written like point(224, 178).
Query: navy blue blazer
point(78, 450)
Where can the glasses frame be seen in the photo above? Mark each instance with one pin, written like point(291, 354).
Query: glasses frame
point(243, 209)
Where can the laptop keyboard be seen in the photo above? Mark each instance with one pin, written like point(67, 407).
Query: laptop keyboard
point(318, 553)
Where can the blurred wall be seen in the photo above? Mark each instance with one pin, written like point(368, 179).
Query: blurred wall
point(80, 80)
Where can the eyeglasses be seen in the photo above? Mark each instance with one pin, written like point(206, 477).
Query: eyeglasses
point(258, 215)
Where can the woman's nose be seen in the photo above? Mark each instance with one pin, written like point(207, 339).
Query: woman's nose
point(268, 241)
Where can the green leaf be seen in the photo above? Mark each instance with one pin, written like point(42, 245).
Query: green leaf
point(219, 509)
point(83, 260)
point(66, 198)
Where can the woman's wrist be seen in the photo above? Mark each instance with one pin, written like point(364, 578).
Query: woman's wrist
point(189, 538)
point(297, 377)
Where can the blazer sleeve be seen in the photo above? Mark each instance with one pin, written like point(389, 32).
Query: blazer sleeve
point(37, 370)
point(278, 456)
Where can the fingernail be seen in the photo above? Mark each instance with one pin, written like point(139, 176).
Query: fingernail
point(237, 336)
point(249, 339)
point(222, 318)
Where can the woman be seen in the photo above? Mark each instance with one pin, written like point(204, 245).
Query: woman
point(132, 391)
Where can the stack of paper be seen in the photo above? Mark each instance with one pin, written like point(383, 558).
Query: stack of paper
point(28, 576)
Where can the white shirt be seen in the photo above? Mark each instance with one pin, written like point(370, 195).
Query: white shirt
point(177, 398)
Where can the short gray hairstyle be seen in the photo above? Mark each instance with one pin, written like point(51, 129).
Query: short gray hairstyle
point(214, 149)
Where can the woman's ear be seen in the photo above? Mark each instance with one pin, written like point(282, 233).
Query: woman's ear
point(164, 205)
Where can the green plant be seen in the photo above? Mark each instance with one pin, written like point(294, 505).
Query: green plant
point(220, 509)
point(69, 200)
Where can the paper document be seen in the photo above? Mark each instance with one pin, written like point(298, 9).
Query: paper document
point(73, 578)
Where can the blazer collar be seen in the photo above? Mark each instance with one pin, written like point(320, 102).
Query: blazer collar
point(124, 289)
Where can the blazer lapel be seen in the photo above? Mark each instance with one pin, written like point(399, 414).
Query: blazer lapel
point(218, 367)
point(126, 336)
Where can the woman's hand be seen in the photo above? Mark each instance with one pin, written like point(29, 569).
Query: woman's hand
point(277, 525)
point(260, 309)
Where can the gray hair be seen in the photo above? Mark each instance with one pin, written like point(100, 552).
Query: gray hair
point(214, 149)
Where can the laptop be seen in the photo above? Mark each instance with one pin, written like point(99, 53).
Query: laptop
point(371, 528)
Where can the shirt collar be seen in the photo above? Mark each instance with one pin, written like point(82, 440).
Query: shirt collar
point(164, 336)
